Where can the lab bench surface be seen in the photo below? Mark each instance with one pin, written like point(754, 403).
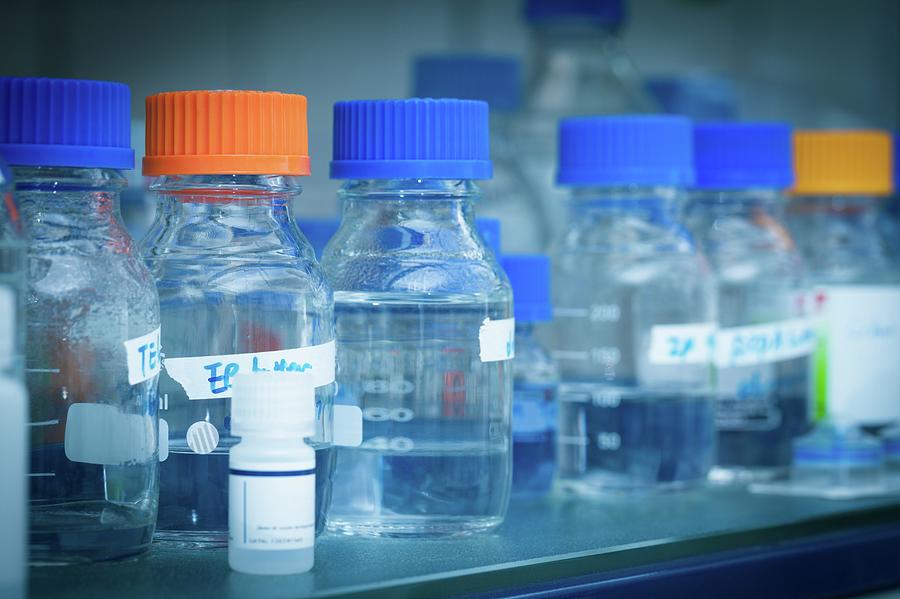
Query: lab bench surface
point(724, 539)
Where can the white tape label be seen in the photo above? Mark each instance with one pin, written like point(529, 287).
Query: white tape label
point(143, 357)
point(348, 425)
point(102, 434)
point(497, 339)
point(765, 343)
point(862, 344)
point(210, 377)
point(682, 343)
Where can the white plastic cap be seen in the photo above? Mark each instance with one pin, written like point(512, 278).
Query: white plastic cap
point(272, 402)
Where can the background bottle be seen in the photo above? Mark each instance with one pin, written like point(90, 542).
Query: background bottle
point(496, 80)
point(272, 473)
point(535, 405)
point(634, 310)
point(424, 322)
point(92, 317)
point(240, 289)
point(735, 213)
point(13, 397)
point(578, 67)
point(842, 177)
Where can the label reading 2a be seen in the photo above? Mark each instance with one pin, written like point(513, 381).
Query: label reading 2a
point(209, 377)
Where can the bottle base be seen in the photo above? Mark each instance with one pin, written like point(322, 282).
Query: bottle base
point(84, 532)
point(412, 527)
point(743, 475)
point(184, 539)
point(604, 486)
point(266, 562)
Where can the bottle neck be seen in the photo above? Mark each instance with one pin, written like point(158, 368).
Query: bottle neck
point(75, 207)
point(418, 216)
point(575, 64)
point(231, 212)
point(660, 206)
point(839, 227)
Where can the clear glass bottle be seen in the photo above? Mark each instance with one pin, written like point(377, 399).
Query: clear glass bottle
point(92, 318)
point(535, 405)
point(764, 342)
point(13, 397)
point(240, 291)
point(424, 323)
point(496, 80)
point(842, 177)
point(634, 311)
point(578, 67)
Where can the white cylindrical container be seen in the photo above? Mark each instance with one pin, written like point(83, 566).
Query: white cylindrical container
point(272, 474)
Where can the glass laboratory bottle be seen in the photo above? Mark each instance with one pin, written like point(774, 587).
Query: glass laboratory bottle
point(507, 196)
point(536, 378)
point(842, 177)
point(13, 397)
point(240, 289)
point(92, 319)
point(424, 323)
point(578, 67)
point(634, 311)
point(735, 213)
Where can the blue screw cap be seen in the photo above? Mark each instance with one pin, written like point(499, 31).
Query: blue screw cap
point(529, 275)
point(743, 155)
point(604, 13)
point(495, 79)
point(411, 139)
point(65, 122)
point(489, 229)
point(319, 231)
point(626, 150)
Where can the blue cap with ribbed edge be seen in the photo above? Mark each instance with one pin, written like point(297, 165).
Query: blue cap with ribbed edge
point(529, 276)
point(605, 13)
point(626, 150)
point(411, 139)
point(319, 231)
point(743, 155)
point(489, 229)
point(65, 122)
point(495, 79)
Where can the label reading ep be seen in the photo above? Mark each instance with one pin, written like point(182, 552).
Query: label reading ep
point(857, 359)
point(143, 357)
point(497, 339)
point(271, 510)
point(210, 377)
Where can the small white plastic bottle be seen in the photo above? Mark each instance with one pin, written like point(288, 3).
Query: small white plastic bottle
point(272, 474)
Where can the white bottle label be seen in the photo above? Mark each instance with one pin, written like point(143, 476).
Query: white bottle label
point(682, 343)
point(143, 355)
point(861, 346)
point(209, 377)
point(272, 510)
point(765, 343)
point(497, 339)
point(7, 324)
point(102, 434)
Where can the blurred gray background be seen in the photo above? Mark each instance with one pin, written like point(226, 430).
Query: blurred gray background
point(812, 62)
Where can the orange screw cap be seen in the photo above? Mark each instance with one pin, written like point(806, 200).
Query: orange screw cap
point(226, 133)
point(848, 162)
